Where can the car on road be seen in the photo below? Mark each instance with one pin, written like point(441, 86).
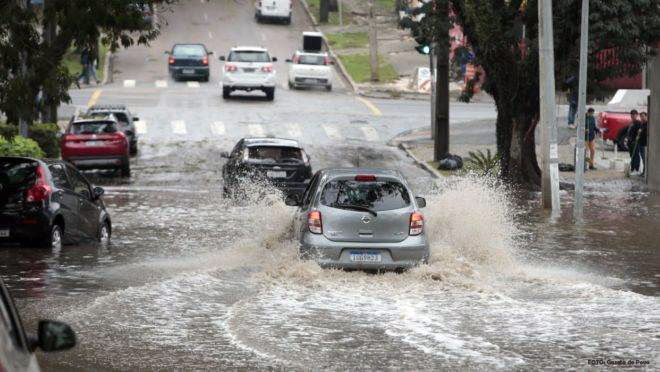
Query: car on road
point(96, 142)
point(615, 121)
point(360, 218)
point(274, 9)
point(189, 61)
point(49, 203)
point(17, 348)
point(249, 68)
point(310, 69)
point(280, 162)
point(125, 119)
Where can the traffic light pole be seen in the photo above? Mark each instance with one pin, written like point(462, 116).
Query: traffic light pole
point(441, 115)
point(433, 80)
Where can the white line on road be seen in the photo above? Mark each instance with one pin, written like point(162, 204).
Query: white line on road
point(294, 130)
point(193, 84)
point(263, 36)
point(210, 35)
point(256, 130)
point(179, 127)
point(370, 133)
point(332, 132)
point(129, 83)
point(141, 127)
point(218, 128)
point(161, 83)
point(206, 17)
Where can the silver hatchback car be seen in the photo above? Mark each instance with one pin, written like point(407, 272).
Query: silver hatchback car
point(360, 218)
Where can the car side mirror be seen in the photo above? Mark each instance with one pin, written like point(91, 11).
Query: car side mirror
point(292, 200)
point(289, 60)
point(274, 59)
point(167, 52)
point(222, 58)
point(224, 155)
point(209, 53)
point(54, 336)
point(421, 202)
point(98, 192)
point(135, 118)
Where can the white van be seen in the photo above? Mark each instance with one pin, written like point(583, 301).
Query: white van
point(274, 9)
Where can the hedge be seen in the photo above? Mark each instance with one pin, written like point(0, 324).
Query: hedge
point(20, 146)
point(45, 134)
point(8, 131)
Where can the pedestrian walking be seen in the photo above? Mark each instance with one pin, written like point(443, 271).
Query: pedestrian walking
point(93, 63)
point(590, 131)
point(643, 139)
point(572, 83)
point(84, 61)
point(634, 134)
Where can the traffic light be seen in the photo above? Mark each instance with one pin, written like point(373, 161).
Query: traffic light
point(423, 49)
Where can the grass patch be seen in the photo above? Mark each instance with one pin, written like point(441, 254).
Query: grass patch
point(358, 67)
point(333, 17)
point(71, 61)
point(345, 40)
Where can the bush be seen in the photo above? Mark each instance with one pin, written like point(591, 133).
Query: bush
point(45, 134)
point(8, 131)
point(20, 146)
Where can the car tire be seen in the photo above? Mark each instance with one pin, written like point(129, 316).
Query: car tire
point(134, 148)
point(226, 92)
point(257, 17)
point(287, 21)
point(126, 168)
point(54, 238)
point(292, 85)
point(328, 87)
point(622, 139)
point(104, 233)
point(270, 94)
point(205, 79)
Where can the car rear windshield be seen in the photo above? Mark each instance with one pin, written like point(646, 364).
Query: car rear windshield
point(94, 127)
point(375, 195)
point(274, 154)
point(17, 173)
point(248, 56)
point(189, 51)
point(311, 59)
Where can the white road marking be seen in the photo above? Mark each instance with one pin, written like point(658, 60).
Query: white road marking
point(210, 35)
point(161, 83)
point(129, 83)
point(141, 127)
point(294, 130)
point(206, 17)
point(263, 36)
point(179, 127)
point(256, 130)
point(193, 84)
point(332, 132)
point(218, 128)
point(370, 133)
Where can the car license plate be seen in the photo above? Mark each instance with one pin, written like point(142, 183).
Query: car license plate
point(365, 257)
point(311, 81)
point(94, 143)
point(188, 71)
point(276, 174)
point(249, 70)
point(4, 233)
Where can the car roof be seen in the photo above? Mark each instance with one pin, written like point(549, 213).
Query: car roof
point(248, 49)
point(271, 141)
point(378, 172)
point(92, 119)
point(318, 53)
point(200, 44)
point(108, 108)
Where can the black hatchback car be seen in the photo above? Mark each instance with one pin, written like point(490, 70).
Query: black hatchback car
point(282, 162)
point(48, 203)
point(189, 61)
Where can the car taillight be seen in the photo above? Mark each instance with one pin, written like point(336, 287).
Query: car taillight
point(230, 68)
point(118, 138)
point(296, 59)
point(314, 222)
point(326, 60)
point(205, 60)
point(365, 178)
point(416, 223)
point(171, 60)
point(41, 190)
point(267, 69)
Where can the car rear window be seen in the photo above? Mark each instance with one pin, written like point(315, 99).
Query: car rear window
point(189, 51)
point(94, 127)
point(248, 56)
point(17, 173)
point(121, 117)
point(311, 59)
point(375, 195)
point(275, 154)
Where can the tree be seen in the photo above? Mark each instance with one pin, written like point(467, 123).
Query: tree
point(622, 34)
point(33, 44)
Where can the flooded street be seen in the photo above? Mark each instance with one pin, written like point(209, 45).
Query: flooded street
point(192, 280)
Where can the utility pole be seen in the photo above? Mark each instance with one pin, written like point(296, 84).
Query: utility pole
point(341, 17)
point(373, 43)
point(548, 120)
point(653, 159)
point(582, 103)
point(441, 117)
point(433, 81)
point(324, 11)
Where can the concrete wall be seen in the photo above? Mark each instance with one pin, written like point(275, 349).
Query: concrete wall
point(653, 161)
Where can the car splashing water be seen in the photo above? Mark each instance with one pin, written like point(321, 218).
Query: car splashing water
point(478, 304)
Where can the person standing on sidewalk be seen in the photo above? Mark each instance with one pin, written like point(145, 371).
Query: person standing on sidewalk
point(643, 139)
point(633, 142)
point(590, 130)
point(93, 62)
point(572, 83)
point(84, 61)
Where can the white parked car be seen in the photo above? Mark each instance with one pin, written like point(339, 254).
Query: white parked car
point(274, 9)
point(310, 69)
point(248, 69)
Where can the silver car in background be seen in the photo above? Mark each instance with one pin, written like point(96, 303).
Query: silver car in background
point(360, 218)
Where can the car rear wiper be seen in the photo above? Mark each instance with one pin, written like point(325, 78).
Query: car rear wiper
point(355, 207)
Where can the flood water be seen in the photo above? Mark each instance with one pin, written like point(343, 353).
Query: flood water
point(195, 283)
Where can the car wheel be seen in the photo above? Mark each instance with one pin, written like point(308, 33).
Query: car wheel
point(134, 148)
point(257, 17)
point(270, 94)
point(291, 85)
point(226, 92)
point(126, 168)
point(205, 79)
point(288, 20)
point(104, 234)
point(622, 140)
point(54, 238)
point(328, 87)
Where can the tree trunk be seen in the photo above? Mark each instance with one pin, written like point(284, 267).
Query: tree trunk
point(516, 144)
point(324, 11)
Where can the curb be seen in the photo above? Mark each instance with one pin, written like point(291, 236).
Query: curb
point(342, 68)
point(434, 173)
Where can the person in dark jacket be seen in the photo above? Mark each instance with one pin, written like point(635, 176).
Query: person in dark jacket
point(572, 83)
point(643, 139)
point(590, 131)
point(634, 134)
point(84, 61)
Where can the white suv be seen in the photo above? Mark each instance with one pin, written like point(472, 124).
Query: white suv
point(310, 69)
point(248, 69)
point(274, 9)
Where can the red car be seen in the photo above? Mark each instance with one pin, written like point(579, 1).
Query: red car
point(96, 143)
point(614, 126)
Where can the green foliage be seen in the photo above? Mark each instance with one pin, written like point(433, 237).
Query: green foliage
point(359, 68)
point(8, 131)
point(20, 146)
point(485, 164)
point(345, 40)
point(45, 134)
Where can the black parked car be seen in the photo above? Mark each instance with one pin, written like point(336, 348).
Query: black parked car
point(282, 162)
point(17, 348)
point(48, 203)
point(125, 119)
point(189, 61)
